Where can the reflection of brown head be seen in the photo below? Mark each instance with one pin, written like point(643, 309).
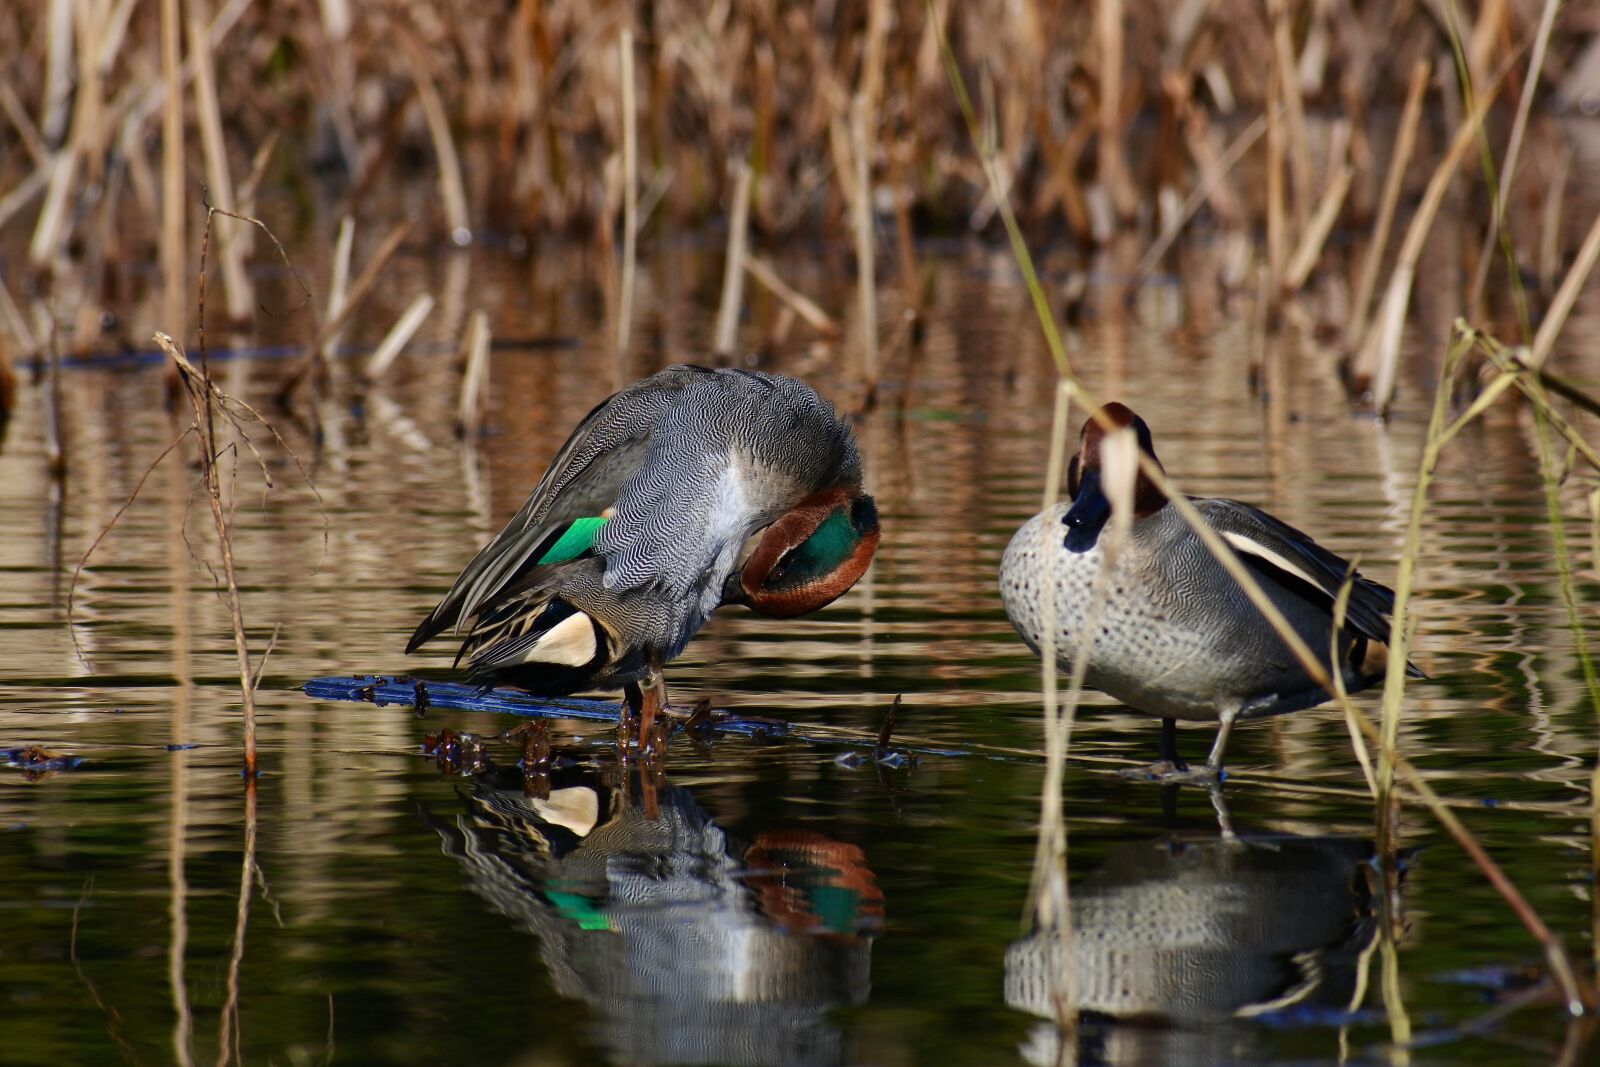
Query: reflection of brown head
point(1147, 499)
point(796, 874)
point(811, 555)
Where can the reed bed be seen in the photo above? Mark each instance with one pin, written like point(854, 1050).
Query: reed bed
point(1119, 119)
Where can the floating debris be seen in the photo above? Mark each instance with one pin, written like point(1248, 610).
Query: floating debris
point(37, 763)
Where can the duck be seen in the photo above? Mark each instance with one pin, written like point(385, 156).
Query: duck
point(1176, 636)
point(688, 490)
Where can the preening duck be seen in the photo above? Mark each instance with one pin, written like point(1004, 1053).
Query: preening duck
point(687, 490)
point(1176, 636)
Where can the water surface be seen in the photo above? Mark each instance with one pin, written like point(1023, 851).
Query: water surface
point(764, 904)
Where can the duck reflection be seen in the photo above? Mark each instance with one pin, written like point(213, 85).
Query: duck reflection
point(691, 946)
point(1172, 939)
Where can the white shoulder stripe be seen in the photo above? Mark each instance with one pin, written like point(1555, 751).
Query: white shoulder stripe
point(1243, 544)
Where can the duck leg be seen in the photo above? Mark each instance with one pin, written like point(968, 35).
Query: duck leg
point(1167, 750)
point(654, 706)
point(632, 709)
point(1219, 747)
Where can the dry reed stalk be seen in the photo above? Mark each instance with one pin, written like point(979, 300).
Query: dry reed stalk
point(474, 377)
point(801, 304)
point(398, 337)
point(1393, 182)
point(88, 109)
point(57, 95)
point(229, 1030)
point(338, 286)
point(1556, 316)
point(239, 292)
point(861, 117)
point(1508, 168)
point(630, 195)
point(359, 290)
point(26, 345)
point(26, 132)
point(1379, 358)
point(202, 394)
point(1294, 114)
point(174, 306)
point(1112, 152)
point(48, 231)
point(1276, 237)
point(1209, 182)
point(1550, 229)
point(19, 197)
point(1315, 234)
point(452, 190)
point(726, 337)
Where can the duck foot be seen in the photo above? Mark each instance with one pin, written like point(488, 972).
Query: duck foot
point(1166, 772)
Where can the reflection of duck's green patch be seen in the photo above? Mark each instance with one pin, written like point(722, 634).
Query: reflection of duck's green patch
point(580, 909)
point(835, 907)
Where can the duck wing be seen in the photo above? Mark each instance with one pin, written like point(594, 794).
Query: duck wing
point(1294, 560)
point(605, 450)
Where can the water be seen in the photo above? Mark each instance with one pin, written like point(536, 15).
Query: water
point(779, 907)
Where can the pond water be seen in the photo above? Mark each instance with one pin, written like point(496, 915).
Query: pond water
point(765, 903)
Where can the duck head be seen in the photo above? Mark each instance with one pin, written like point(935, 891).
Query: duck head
point(1090, 507)
point(810, 556)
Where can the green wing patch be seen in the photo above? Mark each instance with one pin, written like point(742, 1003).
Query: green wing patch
point(574, 541)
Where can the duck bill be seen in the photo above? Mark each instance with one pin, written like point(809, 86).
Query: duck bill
point(1088, 514)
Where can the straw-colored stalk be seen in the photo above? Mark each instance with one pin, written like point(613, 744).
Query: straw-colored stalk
point(359, 290)
point(174, 305)
point(229, 1036)
point(338, 285)
point(1379, 359)
point(398, 337)
point(57, 71)
point(1294, 114)
point(802, 305)
point(1508, 168)
point(452, 190)
point(202, 394)
point(240, 293)
point(475, 377)
point(1550, 228)
point(1210, 180)
point(1277, 239)
point(1111, 151)
point(1393, 182)
point(726, 337)
point(630, 189)
point(862, 120)
point(1315, 233)
point(27, 133)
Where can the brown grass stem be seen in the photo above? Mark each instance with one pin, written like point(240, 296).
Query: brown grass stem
point(863, 118)
point(452, 190)
point(398, 337)
point(1556, 316)
point(1202, 191)
point(630, 186)
point(803, 306)
point(359, 290)
point(198, 387)
point(174, 302)
point(1393, 182)
point(338, 286)
point(1508, 168)
point(726, 337)
point(1379, 358)
point(229, 1035)
point(238, 291)
point(474, 377)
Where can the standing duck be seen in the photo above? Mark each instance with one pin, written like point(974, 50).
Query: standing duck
point(1177, 637)
point(687, 490)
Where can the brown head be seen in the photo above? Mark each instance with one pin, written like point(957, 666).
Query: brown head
point(1090, 508)
point(810, 556)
